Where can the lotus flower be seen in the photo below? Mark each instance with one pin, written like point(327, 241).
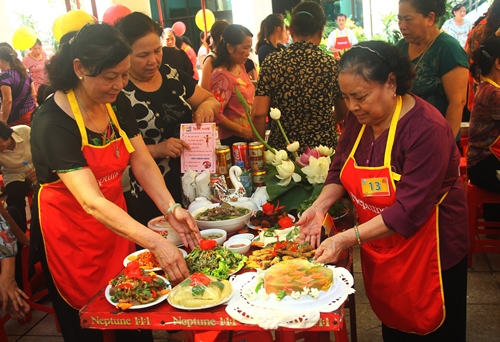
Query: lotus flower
point(293, 147)
point(279, 157)
point(286, 172)
point(269, 157)
point(275, 113)
point(317, 170)
point(303, 160)
point(324, 150)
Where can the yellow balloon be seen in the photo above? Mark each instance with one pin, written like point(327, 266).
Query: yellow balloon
point(74, 20)
point(24, 38)
point(210, 18)
point(56, 28)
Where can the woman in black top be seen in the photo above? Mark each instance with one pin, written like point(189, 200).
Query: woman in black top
point(272, 30)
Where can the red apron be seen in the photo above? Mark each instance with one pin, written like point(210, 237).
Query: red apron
point(495, 147)
point(341, 43)
point(83, 254)
point(402, 276)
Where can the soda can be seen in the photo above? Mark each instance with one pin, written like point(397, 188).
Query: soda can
point(223, 157)
point(258, 178)
point(256, 152)
point(240, 152)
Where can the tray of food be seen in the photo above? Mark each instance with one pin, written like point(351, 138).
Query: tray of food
point(276, 252)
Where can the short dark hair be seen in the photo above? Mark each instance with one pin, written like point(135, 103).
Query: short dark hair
point(375, 60)
point(233, 35)
point(137, 25)
point(457, 7)
point(308, 18)
point(484, 57)
point(97, 46)
point(5, 131)
point(341, 15)
point(425, 7)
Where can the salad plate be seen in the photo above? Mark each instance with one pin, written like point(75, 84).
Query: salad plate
point(140, 306)
point(252, 226)
point(225, 300)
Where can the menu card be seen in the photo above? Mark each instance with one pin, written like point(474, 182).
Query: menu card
point(202, 142)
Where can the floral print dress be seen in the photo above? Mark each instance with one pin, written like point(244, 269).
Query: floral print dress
point(301, 81)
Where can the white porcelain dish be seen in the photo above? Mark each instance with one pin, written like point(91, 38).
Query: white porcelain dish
point(230, 225)
point(238, 245)
point(211, 232)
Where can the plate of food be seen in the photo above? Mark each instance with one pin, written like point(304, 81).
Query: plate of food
point(273, 253)
point(136, 288)
point(217, 261)
point(272, 235)
point(200, 291)
point(146, 260)
point(265, 223)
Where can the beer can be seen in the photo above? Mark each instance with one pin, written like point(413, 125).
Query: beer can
point(258, 178)
point(223, 157)
point(256, 152)
point(240, 152)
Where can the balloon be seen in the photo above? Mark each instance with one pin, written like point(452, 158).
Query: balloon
point(114, 13)
point(179, 28)
point(210, 18)
point(74, 20)
point(56, 28)
point(24, 38)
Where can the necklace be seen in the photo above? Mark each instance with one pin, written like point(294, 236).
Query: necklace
point(103, 134)
point(423, 54)
point(140, 79)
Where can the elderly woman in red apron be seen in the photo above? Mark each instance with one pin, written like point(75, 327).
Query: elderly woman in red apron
point(81, 146)
point(398, 161)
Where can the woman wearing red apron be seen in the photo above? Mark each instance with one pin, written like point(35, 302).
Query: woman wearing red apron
point(483, 152)
point(81, 146)
point(398, 162)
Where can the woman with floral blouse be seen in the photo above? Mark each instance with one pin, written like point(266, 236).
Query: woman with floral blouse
point(229, 72)
point(302, 82)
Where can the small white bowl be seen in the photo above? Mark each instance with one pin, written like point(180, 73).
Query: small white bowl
point(239, 245)
point(248, 236)
point(161, 226)
point(220, 240)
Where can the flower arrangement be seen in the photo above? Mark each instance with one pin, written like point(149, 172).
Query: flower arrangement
point(292, 181)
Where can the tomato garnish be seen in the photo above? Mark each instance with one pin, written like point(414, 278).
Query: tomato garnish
point(199, 278)
point(125, 286)
point(207, 245)
point(285, 222)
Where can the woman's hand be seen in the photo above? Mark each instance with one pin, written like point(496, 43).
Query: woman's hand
point(205, 113)
point(32, 175)
point(185, 225)
point(310, 224)
point(331, 249)
point(13, 299)
point(172, 147)
point(246, 133)
point(171, 260)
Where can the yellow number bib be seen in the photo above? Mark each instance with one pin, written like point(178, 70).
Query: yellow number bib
point(375, 187)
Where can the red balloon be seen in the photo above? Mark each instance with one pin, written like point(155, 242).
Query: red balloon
point(179, 28)
point(114, 13)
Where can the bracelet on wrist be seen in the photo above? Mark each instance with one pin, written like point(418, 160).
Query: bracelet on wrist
point(356, 231)
point(171, 209)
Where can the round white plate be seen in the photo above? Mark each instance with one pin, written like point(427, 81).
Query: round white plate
point(202, 307)
point(140, 306)
point(252, 226)
point(127, 259)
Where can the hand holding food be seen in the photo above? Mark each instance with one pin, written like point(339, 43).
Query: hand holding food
point(214, 260)
point(171, 260)
point(331, 249)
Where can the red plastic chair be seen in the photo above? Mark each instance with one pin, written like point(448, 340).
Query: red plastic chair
point(476, 197)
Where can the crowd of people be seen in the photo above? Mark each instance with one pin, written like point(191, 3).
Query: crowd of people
point(113, 98)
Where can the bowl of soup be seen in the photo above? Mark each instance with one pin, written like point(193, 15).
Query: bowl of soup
point(238, 245)
point(219, 235)
point(222, 216)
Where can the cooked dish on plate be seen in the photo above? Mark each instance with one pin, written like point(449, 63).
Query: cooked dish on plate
point(145, 259)
point(135, 287)
point(218, 261)
point(279, 251)
point(200, 291)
